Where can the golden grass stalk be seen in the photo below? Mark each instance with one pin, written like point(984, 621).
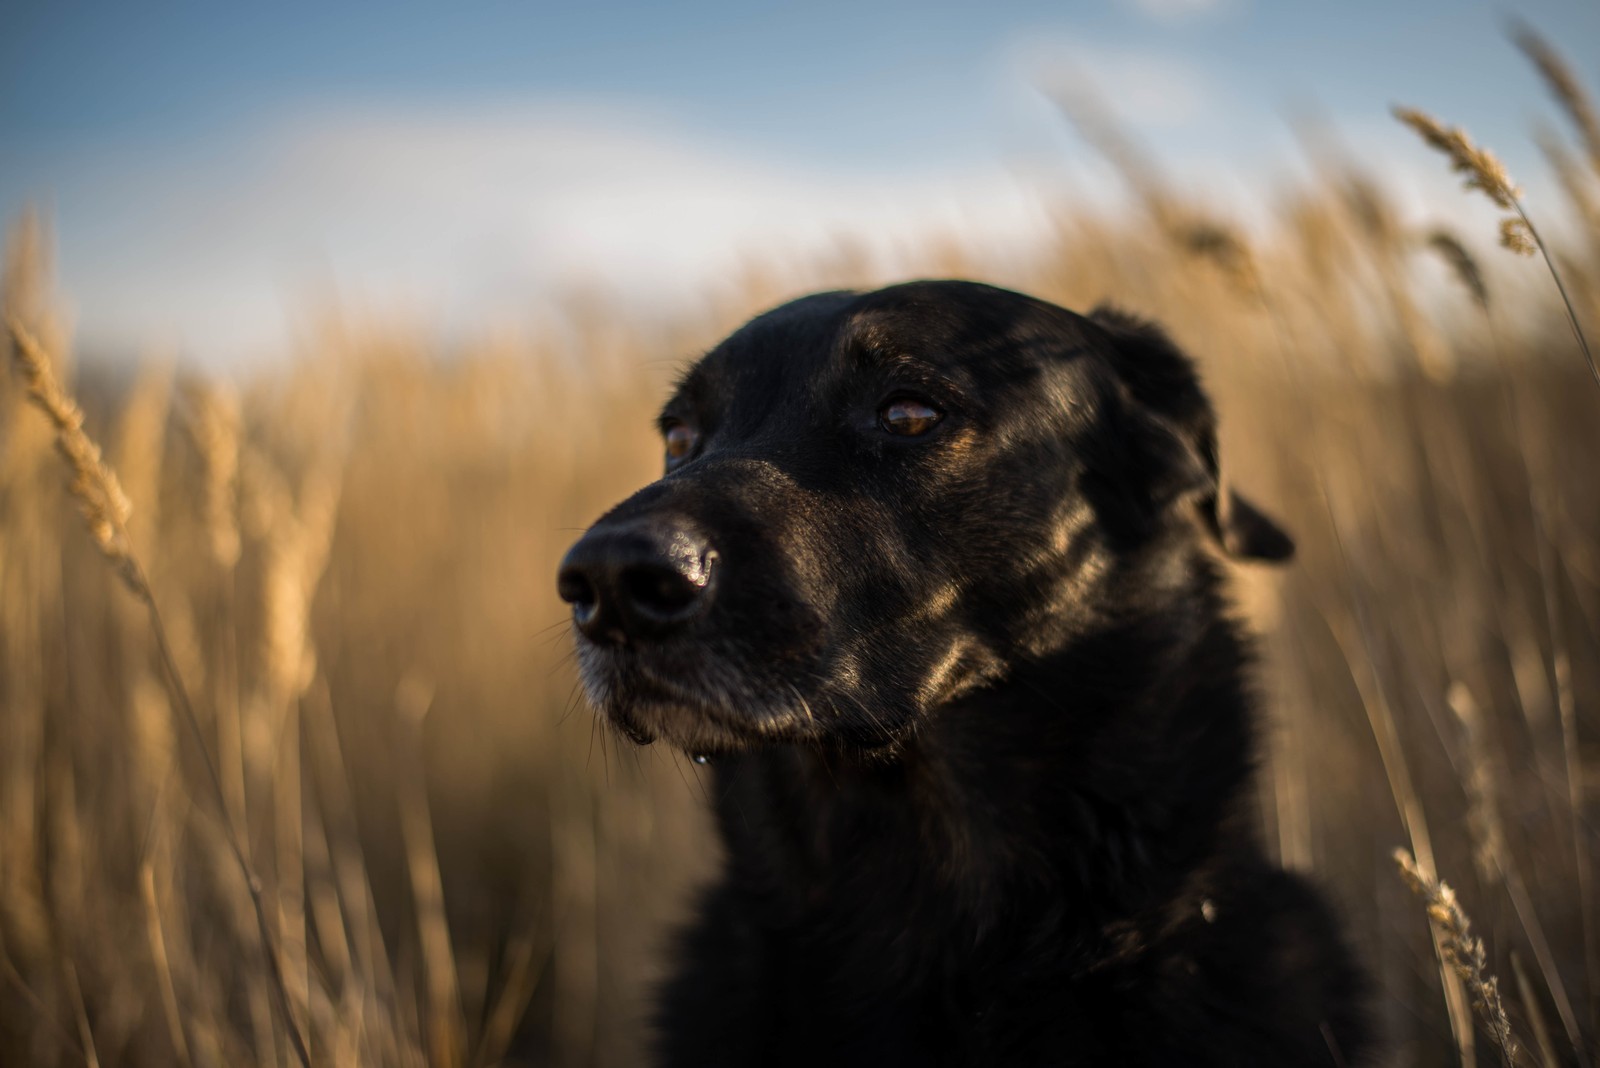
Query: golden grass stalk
point(1564, 86)
point(106, 510)
point(1481, 783)
point(158, 953)
point(1530, 1002)
point(42, 1012)
point(296, 532)
point(1082, 107)
point(413, 698)
point(91, 1056)
point(100, 498)
point(1485, 171)
point(1577, 184)
point(1516, 235)
point(1462, 951)
point(1482, 168)
point(214, 422)
point(140, 443)
point(1462, 264)
point(1369, 206)
point(1408, 800)
point(1225, 248)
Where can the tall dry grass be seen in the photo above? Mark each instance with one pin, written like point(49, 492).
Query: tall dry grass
point(353, 557)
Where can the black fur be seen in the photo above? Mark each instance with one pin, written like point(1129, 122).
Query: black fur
point(979, 719)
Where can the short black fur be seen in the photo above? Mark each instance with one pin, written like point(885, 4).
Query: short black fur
point(979, 719)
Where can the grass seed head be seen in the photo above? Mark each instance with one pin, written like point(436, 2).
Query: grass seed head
point(1223, 247)
point(1482, 169)
point(214, 421)
point(1462, 264)
point(1515, 235)
point(100, 498)
point(1461, 950)
point(1565, 87)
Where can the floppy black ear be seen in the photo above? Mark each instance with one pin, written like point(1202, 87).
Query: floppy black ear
point(1173, 437)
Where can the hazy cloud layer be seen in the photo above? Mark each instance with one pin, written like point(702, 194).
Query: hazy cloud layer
point(476, 213)
point(1181, 10)
point(472, 199)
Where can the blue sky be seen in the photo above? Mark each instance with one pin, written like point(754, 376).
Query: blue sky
point(210, 168)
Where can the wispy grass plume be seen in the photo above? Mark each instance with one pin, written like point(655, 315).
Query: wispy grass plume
point(94, 484)
point(1462, 264)
point(1463, 952)
point(1484, 171)
point(1564, 86)
point(106, 511)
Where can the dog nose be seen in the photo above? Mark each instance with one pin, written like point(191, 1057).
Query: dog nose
point(636, 581)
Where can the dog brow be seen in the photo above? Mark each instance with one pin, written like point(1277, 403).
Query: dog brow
point(869, 347)
point(690, 396)
point(866, 340)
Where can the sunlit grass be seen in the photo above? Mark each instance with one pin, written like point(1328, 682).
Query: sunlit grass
point(354, 559)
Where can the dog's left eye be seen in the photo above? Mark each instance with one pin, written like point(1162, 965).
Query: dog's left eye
point(908, 418)
point(681, 440)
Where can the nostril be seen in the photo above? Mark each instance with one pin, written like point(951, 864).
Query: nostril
point(635, 581)
point(574, 587)
point(660, 591)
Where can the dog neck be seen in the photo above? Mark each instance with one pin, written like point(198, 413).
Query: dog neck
point(1096, 790)
point(1086, 773)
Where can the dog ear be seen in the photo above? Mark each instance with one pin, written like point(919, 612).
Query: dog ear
point(1173, 437)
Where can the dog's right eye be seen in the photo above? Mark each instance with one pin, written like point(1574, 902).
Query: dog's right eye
point(681, 439)
point(908, 418)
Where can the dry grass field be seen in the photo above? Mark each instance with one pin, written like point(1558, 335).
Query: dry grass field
point(352, 556)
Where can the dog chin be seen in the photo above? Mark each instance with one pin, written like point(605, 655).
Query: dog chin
point(696, 728)
point(683, 727)
point(645, 709)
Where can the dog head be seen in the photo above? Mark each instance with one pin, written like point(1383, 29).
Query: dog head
point(874, 503)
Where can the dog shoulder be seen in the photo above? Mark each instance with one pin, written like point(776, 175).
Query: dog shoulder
point(1266, 968)
point(715, 1008)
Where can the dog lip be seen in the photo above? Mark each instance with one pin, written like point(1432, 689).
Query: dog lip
point(637, 732)
point(636, 685)
point(645, 702)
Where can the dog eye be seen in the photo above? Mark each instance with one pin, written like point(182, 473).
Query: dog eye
point(681, 439)
point(908, 418)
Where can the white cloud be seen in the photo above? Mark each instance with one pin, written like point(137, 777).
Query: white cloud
point(476, 215)
point(481, 217)
point(1143, 87)
point(1151, 90)
point(1179, 10)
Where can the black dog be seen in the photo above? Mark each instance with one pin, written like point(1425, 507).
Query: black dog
point(926, 580)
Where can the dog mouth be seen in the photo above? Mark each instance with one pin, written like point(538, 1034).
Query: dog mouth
point(701, 705)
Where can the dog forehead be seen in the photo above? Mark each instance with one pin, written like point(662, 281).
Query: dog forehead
point(937, 321)
point(977, 336)
point(963, 322)
point(774, 351)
